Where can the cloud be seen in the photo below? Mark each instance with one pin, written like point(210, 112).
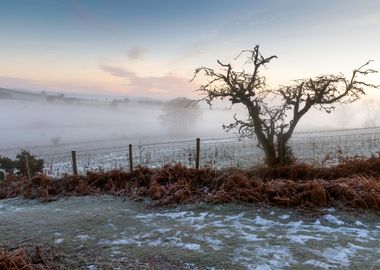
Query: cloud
point(117, 72)
point(168, 85)
point(157, 91)
point(136, 53)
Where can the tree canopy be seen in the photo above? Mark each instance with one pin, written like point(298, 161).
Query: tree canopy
point(273, 114)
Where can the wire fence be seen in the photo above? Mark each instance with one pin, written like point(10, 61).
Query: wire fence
point(319, 148)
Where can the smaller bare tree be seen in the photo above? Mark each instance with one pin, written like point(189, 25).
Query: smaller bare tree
point(273, 114)
point(56, 140)
point(180, 115)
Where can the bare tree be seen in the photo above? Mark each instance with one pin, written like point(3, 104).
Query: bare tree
point(56, 140)
point(373, 113)
point(274, 114)
point(180, 115)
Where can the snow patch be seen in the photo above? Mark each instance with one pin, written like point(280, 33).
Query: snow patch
point(157, 242)
point(332, 219)
point(162, 230)
point(190, 246)
point(111, 226)
point(83, 237)
point(58, 241)
point(179, 243)
point(115, 242)
point(339, 255)
point(302, 239)
point(270, 257)
point(359, 223)
point(263, 222)
point(362, 235)
point(214, 243)
point(234, 217)
point(250, 237)
point(330, 210)
point(176, 215)
point(318, 264)
point(226, 233)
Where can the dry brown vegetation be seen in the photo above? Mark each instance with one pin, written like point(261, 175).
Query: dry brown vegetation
point(348, 167)
point(354, 183)
point(30, 257)
point(38, 258)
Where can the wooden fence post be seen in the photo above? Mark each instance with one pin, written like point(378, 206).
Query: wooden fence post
point(74, 158)
point(27, 169)
point(130, 158)
point(197, 150)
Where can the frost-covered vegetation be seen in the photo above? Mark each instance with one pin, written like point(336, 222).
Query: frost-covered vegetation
point(101, 232)
point(351, 184)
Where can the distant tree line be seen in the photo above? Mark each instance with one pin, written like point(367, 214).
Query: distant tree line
point(115, 102)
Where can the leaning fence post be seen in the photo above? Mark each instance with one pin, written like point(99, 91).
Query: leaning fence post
point(197, 150)
point(27, 170)
point(130, 157)
point(74, 158)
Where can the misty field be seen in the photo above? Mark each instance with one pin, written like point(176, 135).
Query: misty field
point(318, 148)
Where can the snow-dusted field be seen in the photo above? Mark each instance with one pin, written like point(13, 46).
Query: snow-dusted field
point(202, 236)
point(324, 148)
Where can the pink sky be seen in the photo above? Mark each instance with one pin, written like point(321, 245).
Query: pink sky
point(151, 49)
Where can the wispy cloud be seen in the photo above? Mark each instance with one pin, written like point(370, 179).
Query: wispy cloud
point(168, 85)
point(117, 71)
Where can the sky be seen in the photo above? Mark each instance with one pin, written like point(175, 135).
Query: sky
point(151, 48)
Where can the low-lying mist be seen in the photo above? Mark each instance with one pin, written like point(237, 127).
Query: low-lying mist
point(27, 123)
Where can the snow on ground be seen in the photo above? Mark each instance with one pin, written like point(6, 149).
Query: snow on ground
point(220, 236)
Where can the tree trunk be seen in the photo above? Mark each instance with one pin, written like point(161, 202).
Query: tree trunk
point(281, 149)
point(284, 152)
point(280, 156)
point(270, 155)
